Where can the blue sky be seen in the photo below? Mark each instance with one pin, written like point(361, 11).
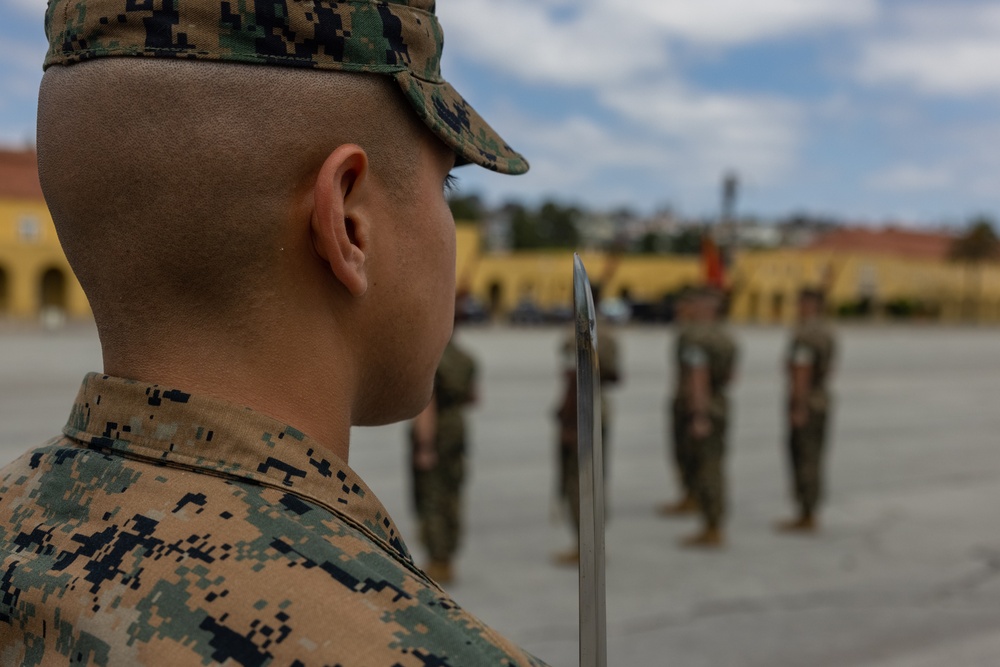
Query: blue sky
point(871, 110)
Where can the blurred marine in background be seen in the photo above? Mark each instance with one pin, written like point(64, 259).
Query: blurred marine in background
point(809, 365)
point(708, 360)
point(685, 463)
point(567, 445)
point(438, 440)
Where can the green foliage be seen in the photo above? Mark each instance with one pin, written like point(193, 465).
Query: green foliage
point(686, 242)
point(552, 225)
point(979, 243)
point(466, 208)
point(649, 243)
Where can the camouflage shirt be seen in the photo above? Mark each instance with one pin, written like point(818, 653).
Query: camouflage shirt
point(454, 389)
point(813, 344)
point(171, 529)
point(708, 346)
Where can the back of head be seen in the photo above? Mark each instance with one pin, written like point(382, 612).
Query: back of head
point(217, 170)
point(173, 180)
point(706, 304)
point(812, 302)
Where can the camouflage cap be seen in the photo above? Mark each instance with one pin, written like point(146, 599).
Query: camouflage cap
point(397, 38)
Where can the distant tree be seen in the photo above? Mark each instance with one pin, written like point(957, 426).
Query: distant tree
point(466, 208)
point(649, 243)
point(550, 226)
point(557, 225)
point(686, 242)
point(978, 244)
point(523, 227)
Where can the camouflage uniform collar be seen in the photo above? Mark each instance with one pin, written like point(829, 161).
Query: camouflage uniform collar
point(170, 427)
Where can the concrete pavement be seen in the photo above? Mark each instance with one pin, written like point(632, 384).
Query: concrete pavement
point(904, 573)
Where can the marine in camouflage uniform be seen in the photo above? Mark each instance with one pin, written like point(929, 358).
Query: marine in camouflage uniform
point(239, 232)
point(438, 438)
point(708, 360)
point(567, 446)
point(680, 451)
point(165, 528)
point(809, 365)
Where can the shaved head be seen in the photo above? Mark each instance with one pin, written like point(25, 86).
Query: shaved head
point(170, 182)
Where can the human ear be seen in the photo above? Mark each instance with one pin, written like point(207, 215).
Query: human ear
point(340, 220)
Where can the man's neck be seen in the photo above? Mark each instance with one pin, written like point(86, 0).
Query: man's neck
point(312, 393)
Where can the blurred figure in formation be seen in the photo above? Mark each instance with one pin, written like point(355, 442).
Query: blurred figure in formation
point(708, 359)
point(438, 441)
point(680, 442)
point(809, 366)
point(567, 446)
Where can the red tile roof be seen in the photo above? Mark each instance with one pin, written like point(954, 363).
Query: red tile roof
point(890, 241)
point(19, 175)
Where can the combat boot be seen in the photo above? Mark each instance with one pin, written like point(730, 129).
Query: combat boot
point(806, 523)
point(709, 538)
point(683, 507)
point(568, 558)
point(440, 571)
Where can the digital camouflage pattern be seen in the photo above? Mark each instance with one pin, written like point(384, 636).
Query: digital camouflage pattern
point(568, 451)
point(437, 492)
point(170, 529)
point(680, 444)
point(397, 38)
point(813, 344)
point(711, 345)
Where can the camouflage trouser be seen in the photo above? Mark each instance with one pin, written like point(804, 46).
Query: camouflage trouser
point(437, 497)
point(681, 450)
point(805, 453)
point(710, 484)
point(569, 477)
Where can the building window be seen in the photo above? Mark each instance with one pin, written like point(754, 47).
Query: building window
point(28, 229)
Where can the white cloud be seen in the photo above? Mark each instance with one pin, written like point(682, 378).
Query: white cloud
point(589, 42)
point(741, 21)
point(574, 155)
point(713, 132)
point(673, 144)
point(29, 8)
point(913, 178)
point(526, 39)
point(938, 50)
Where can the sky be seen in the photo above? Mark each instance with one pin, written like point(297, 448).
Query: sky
point(873, 111)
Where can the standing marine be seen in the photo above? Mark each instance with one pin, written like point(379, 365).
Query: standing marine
point(252, 196)
point(438, 440)
point(567, 446)
point(809, 366)
point(708, 361)
point(679, 441)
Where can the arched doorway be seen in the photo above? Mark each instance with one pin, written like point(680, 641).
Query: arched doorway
point(777, 307)
point(53, 290)
point(753, 307)
point(4, 291)
point(495, 296)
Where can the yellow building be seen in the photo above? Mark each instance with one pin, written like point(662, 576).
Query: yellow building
point(35, 277)
point(36, 280)
point(502, 280)
point(764, 284)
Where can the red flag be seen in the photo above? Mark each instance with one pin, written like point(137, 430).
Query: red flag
point(711, 259)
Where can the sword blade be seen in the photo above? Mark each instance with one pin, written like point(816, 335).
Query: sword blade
point(593, 637)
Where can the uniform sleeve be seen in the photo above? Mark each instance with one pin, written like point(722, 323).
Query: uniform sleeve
point(694, 355)
point(803, 355)
point(607, 356)
point(567, 354)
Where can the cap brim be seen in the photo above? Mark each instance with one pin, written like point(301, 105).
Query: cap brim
point(457, 124)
